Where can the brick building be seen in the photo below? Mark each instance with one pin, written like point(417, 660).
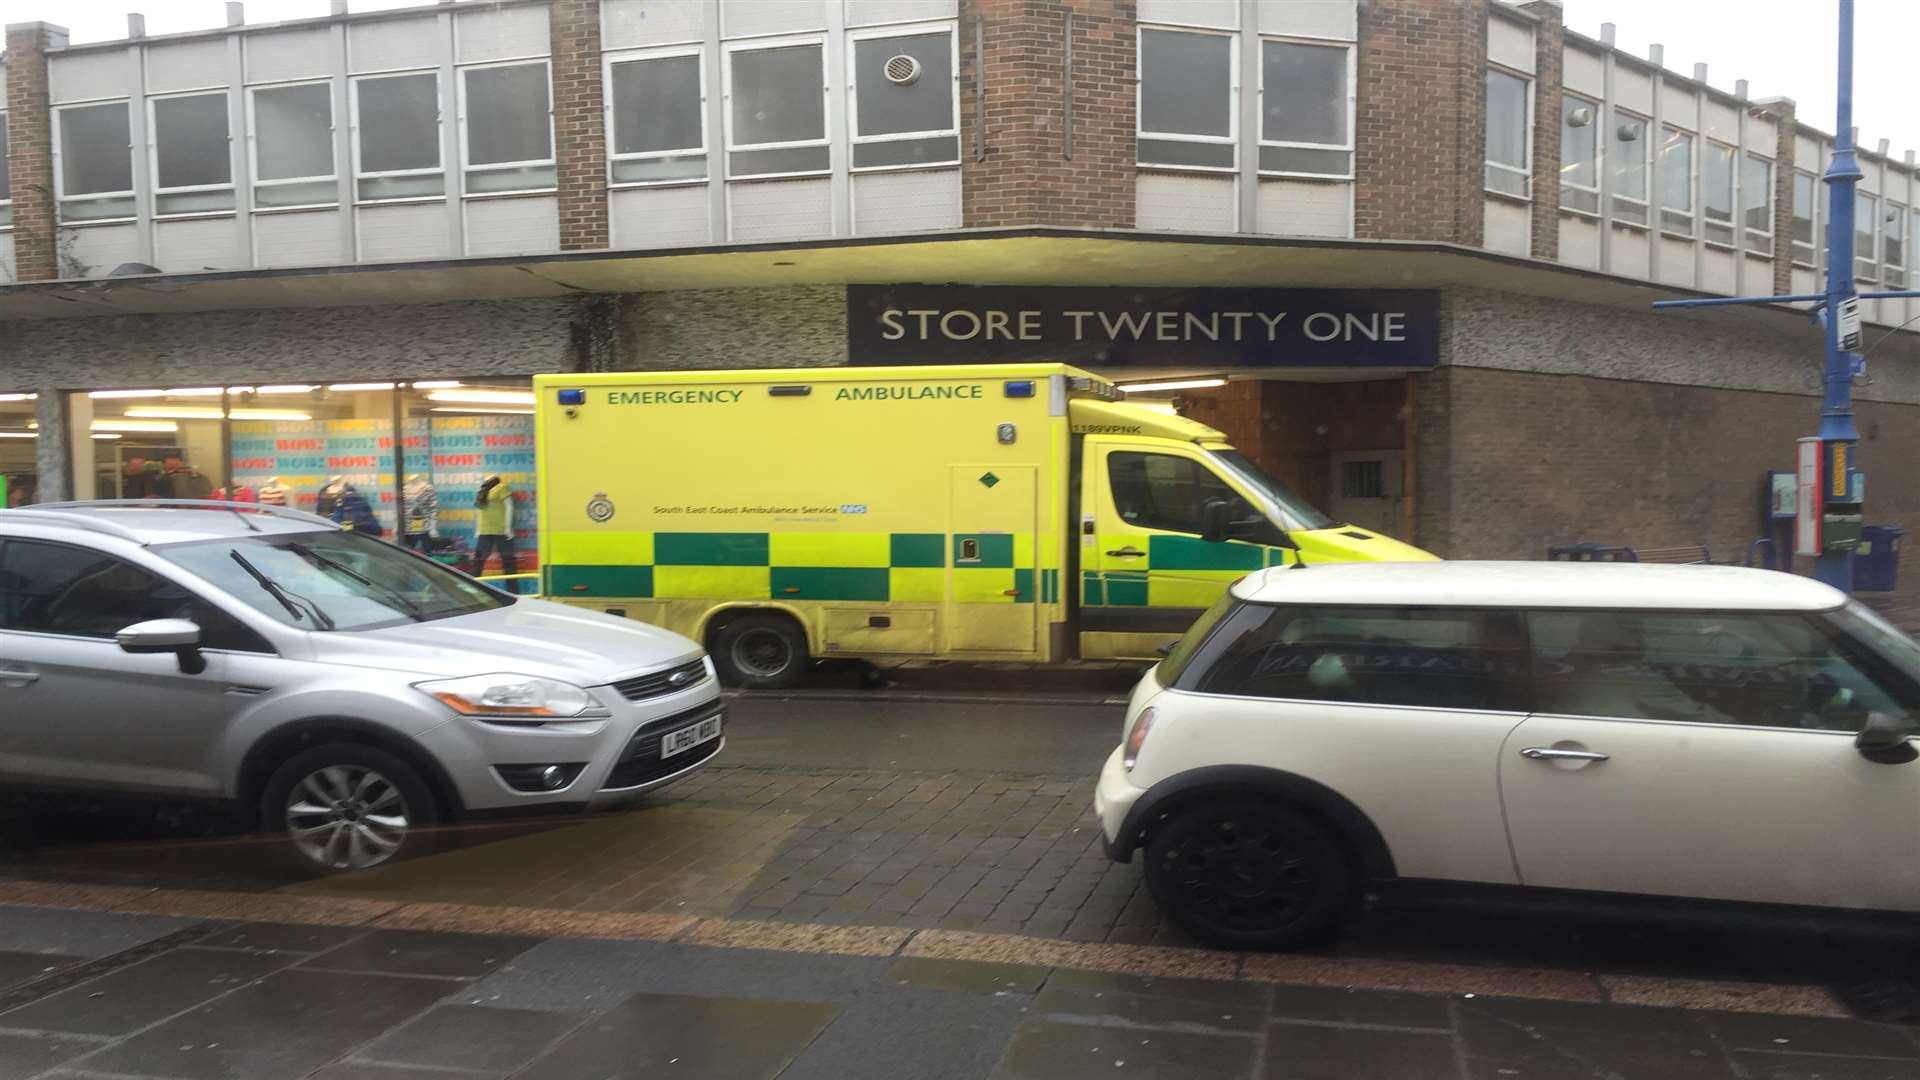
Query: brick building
point(1456, 210)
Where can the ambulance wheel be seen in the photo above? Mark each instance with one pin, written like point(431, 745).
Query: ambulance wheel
point(761, 652)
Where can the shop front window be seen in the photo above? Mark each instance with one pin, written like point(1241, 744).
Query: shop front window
point(19, 471)
point(457, 485)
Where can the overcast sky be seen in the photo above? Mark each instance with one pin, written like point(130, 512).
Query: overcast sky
point(1784, 48)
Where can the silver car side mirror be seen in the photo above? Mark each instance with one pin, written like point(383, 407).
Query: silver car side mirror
point(178, 636)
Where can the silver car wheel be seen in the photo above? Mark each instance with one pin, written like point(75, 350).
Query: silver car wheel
point(346, 817)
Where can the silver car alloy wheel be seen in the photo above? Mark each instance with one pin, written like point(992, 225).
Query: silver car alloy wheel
point(346, 817)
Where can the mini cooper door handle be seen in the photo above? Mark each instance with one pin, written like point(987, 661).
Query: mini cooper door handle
point(1545, 753)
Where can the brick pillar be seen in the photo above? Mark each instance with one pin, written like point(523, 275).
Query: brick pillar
point(1549, 38)
point(579, 127)
point(30, 149)
point(1782, 111)
point(1421, 121)
point(1026, 177)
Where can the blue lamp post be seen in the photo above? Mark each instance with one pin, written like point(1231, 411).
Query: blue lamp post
point(1840, 483)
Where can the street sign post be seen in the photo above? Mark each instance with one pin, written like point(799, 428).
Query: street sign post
point(1829, 533)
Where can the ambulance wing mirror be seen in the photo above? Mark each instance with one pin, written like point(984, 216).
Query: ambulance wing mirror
point(1216, 521)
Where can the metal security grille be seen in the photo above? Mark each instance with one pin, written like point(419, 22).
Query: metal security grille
point(1363, 479)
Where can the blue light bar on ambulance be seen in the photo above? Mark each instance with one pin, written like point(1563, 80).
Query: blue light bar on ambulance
point(572, 397)
point(1020, 388)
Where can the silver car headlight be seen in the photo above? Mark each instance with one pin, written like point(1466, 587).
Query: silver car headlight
point(508, 695)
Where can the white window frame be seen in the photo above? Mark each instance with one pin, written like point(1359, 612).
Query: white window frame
point(1231, 138)
point(728, 51)
point(1893, 273)
point(1813, 224)
point(1753, 234)
point(6, 204)
point(253, 148)
point(1870, 271)
point(460, 118)
point(61, 198)
point(1353, 102)
point(1649, 161)
point(439, 138)
point(854, 138)
point(1692, 175)
point(1599, 153)
point(627, 56)
point(153, 158)
point(1733, 223)
point(1525, 172)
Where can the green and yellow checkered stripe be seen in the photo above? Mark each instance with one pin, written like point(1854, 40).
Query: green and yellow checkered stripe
point(1179, 571)
point(876, 567)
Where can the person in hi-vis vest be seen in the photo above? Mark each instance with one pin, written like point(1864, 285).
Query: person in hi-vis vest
point(494, 533)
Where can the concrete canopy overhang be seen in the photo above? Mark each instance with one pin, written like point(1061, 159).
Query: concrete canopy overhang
point(1020, 256)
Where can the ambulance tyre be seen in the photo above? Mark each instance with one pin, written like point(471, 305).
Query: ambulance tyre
point(760, 652)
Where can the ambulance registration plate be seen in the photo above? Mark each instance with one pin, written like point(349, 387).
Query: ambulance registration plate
point(675, 742)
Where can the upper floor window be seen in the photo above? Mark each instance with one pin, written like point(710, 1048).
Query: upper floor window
point(94, 145)
point(1509, 131)
point(1306, 118)
point(1866, 234)
point(1627, 161)
point(1187, 108)
point(658, 124)
point(1676, 181)
point(1893, 245)
point(397, 137)
point(1756, 202)
point(506, 127)
point(293, 145)
point(1804, 211)
point(905, 110)
point(777, 109)
point(1716, 192)
point(1913, 216)
point(192, 156)
point(6, 182)
point(1579, 154)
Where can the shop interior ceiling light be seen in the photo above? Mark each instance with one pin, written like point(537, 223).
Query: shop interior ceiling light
point(1175, 384)
point(188, 412)
point(481, 409)
point(483, 397)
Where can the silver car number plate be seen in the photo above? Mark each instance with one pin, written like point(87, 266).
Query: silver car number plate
point(674, 742)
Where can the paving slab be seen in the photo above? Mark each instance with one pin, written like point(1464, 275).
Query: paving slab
point(714, 1038)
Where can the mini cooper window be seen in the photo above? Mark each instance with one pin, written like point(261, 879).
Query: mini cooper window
point(1435, 657)
point(1774, 669)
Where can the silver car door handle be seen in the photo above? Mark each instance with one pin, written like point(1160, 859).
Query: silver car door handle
point(1543, 753)
point(21, 677)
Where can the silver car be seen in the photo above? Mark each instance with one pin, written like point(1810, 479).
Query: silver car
point(335, 688)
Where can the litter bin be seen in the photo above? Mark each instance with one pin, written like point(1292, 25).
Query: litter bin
point(1876, 563)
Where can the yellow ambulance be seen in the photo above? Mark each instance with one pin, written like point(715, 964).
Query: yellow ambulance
point(980, 512)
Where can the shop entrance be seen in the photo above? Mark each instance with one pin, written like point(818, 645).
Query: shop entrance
point(1342, 445)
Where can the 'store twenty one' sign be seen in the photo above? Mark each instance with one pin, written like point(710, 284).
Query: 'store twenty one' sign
point(1121, 326)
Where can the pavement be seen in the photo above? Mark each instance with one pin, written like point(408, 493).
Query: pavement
point(895, 884)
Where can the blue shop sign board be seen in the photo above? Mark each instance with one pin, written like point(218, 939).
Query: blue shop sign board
point(1108, 327)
